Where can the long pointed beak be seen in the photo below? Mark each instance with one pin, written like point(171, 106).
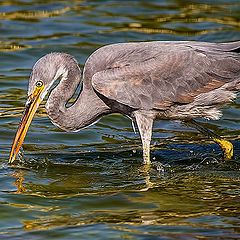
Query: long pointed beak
point(32, 105)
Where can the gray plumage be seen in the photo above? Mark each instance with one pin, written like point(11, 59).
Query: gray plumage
point(145, 81)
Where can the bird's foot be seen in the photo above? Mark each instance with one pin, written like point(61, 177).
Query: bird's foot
point(226, 146)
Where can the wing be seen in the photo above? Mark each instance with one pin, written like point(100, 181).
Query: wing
point(174, 76)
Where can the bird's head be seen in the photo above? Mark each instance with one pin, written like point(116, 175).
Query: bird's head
point(44, 73)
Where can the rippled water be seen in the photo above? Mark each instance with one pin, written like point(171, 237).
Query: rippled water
point(93, 184)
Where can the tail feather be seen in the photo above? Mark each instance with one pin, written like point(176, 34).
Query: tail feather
point(230, 47)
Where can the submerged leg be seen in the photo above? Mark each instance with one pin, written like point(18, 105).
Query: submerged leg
point(225, 145)
point(145, 123)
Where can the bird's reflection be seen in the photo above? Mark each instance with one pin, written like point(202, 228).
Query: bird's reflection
point(163, 202)
point(65, 179)
point(145, 171)
point(19, 181)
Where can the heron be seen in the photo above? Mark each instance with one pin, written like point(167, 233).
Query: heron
point(145, 81)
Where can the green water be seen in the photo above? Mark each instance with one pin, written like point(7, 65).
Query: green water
point(92, 184)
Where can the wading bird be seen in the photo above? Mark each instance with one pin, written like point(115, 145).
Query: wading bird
point(144, 81)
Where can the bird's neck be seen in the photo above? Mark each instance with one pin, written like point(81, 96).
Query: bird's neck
point(85, 111)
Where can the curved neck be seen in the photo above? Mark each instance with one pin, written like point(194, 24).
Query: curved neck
point(86, 110)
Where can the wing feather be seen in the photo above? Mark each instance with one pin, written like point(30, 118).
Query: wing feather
point(170, 77)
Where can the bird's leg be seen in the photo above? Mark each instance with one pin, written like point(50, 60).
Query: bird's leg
point(145, 123)
point(225, 145)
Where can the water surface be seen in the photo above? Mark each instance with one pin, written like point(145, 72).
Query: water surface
point(92, 184)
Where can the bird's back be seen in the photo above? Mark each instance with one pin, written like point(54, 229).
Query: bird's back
point(159, 75)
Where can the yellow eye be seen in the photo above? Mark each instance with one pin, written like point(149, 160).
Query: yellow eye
point(39, 83)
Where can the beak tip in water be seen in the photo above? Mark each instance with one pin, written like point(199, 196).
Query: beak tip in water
point(11, 160)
